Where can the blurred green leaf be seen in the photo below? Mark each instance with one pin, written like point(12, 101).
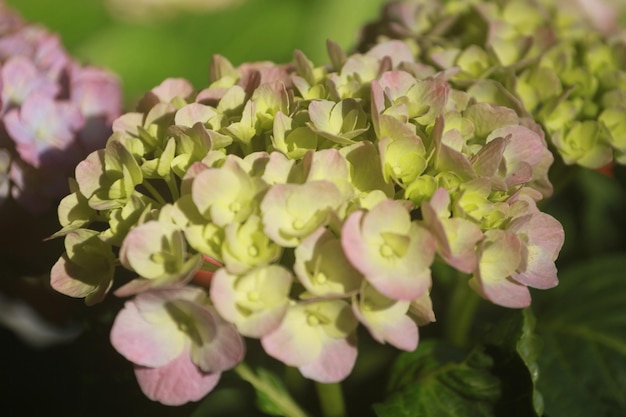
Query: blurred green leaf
point(74, 20)
point(603, 205)
point(339, 21)
point(145, 54)
point(583, 326)
point(437, 380)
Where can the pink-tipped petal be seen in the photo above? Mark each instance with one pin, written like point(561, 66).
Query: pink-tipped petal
point(177, 383)
point(400, 332)
point(143, 342)
point(294, 342)
point(544, 239)
point(334, 363)
point(219, 347)
point(506, 293)
point(366, 236)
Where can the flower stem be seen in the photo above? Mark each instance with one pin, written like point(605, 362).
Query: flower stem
point(460, 314)
point(331, 399)
point(171, 185)
point(276, 394)
point(155, 194)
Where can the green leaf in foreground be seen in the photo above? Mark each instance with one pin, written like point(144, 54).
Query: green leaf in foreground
point(437, 380)
point(583, 326)
point(272, 396)
point(515, 347)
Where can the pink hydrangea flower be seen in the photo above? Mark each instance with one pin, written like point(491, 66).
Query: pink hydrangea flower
point(456, 237)
point(386, 319)
point(500, 255)
point(392, 252)
point(178, 343)
point(53, 112)
point(318, 338)
point(519, 257)
point(43, 130)
point(542, 238)
point(20, 79)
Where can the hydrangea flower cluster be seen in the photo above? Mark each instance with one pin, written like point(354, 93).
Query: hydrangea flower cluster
point(540, 57)
point(293, 203)
point(53, 112)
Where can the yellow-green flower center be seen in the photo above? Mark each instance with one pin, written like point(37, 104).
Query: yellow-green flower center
point(321, 278)
point(386, 251)
point(298, 224)
point(312, 320)
point(235, 206)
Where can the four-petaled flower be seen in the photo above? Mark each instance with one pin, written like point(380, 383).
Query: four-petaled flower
point(178, 343)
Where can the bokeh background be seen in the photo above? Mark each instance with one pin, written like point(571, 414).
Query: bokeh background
point(145, 41)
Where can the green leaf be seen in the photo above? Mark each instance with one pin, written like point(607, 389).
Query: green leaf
point(436, 380)
point(583, 325)
point(603, 202)
point(515, 347)
point(272, 395)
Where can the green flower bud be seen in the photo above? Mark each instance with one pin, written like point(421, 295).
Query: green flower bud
point(421, 189)
point(474, 62)
point(340, 122)
point(614, 118)
point(585, 143)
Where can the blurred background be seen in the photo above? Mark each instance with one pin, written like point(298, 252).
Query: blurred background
point(145, 41)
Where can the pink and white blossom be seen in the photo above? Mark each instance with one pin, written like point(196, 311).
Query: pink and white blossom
point(177, 342)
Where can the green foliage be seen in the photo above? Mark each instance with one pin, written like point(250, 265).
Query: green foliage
point(497, 377)
point(583, 326)
point(436, 380)
point(516, 348)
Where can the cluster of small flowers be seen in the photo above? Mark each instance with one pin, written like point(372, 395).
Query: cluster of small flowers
point(540, 57)
point(53, 112)
point(291, 204)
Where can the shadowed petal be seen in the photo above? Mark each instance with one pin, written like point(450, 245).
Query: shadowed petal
point(335, 361)
point(146, 343)
point(176, 383)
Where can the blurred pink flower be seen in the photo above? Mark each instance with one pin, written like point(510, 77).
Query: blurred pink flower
point(53, 112)
point(43, 130)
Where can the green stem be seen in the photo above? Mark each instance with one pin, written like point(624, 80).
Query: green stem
point(155, 194)
point(460, 314)
point(278, 396)
point(331, 399)
point(298, 385)
point(171, 184)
